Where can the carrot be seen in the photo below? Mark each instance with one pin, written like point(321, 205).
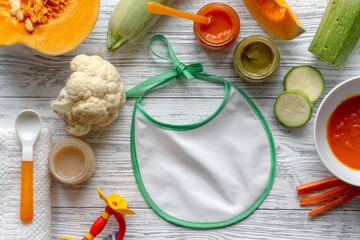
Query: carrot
point(326, 196)
point(319, 185)
point(350, 195)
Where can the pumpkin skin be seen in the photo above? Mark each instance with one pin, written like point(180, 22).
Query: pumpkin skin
point(275, 17)
point(59, 35)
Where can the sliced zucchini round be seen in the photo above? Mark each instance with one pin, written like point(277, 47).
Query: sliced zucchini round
point(306, 79)
point(293, 108)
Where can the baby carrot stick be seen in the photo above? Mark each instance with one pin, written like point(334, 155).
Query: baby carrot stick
point(319, 185)
point(326, 196)
point(350, 195)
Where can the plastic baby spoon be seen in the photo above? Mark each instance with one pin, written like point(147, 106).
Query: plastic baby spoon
point(157, 8)
point(27, 125)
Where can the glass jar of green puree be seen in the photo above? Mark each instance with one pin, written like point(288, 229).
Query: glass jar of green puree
point(256, 58)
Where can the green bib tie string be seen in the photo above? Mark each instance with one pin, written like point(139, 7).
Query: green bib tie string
point(189, 71)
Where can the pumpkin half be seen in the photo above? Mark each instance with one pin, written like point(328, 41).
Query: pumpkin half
point(276, 17)
point(52, 27)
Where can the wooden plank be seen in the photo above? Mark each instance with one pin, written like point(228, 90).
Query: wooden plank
point(262, 224)
point(31, 80)
point(297, 160)
point(38, 75)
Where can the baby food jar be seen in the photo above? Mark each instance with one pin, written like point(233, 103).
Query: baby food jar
point(223, 28)
point(72, 160)
point(256, 59)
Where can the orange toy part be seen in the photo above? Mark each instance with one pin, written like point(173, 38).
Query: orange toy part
point(276, 17)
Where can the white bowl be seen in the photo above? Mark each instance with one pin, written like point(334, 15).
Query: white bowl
point(333, 98)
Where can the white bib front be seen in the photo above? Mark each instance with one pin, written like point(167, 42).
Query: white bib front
point(208, 174)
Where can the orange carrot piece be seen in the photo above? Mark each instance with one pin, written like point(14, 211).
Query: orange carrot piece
point(319, 185)
point(350, 195)
point(326, 196)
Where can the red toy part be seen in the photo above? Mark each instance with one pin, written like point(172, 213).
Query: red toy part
point(116, 205)
point(122, 225)
point(99, 224)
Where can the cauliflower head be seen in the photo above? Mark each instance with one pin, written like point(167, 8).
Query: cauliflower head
point(94, 94)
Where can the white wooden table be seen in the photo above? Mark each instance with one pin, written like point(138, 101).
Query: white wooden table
point(31, 80)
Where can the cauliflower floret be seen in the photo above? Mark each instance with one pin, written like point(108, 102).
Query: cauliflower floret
point(94, 94)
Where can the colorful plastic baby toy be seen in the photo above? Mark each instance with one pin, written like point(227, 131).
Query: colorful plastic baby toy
point(117, 206)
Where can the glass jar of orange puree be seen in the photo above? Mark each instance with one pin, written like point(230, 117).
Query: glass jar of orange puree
point(223, 28)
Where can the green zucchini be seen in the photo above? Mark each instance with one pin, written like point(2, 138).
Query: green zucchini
point(293, 108)
point(338, 32)
point(307, 79)
point(129, 22)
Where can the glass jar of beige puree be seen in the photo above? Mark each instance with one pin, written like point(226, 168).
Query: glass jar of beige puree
point(256, 59)
point(72, 160)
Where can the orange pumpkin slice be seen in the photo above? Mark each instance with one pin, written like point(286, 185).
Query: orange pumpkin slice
point(52, 27)
point(276, 17)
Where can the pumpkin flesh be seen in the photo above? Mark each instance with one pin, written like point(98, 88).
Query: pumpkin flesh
point(64, 26)
point(276, 17)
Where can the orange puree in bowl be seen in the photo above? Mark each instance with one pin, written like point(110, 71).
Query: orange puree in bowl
point(343, 132)
point(220, 28)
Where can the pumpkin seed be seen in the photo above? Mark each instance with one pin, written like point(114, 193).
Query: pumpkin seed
point(19, 15)
point(13, 12)
point(28, 25)
point(42, 20)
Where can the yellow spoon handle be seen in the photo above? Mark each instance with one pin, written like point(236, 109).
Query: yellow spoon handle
point(157, 8)
point(26, 197)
